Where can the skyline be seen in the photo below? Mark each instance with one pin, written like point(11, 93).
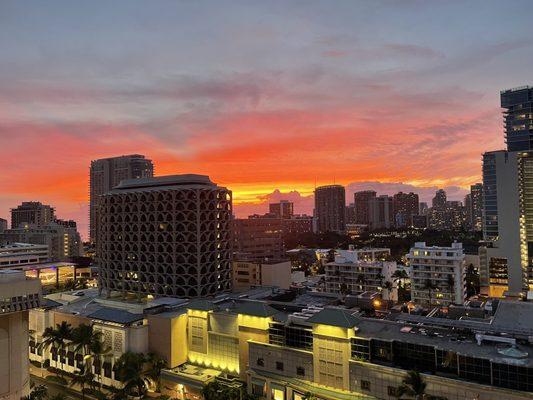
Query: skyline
point(259, 97)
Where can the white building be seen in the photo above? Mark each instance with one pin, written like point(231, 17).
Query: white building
point(438, 274)
point(356, 271)
point(18, 295)
point(21, 254)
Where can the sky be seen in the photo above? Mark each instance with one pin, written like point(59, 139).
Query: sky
point(268, 98)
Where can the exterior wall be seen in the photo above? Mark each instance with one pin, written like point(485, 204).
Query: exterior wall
point(381, 378)
point(292, 359)
point(330, 204)
point(441, 266)
point(107, 173)
point(332, 352)
point(276, 274)
point(14, 360)
point(245, 275)
point(169, 240)
point(167, 337)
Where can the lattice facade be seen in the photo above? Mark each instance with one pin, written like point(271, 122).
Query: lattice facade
point(170, 237)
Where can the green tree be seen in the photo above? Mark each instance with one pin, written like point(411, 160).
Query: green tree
point(39, 392)
point(58, 338)
point(97, 352)
point(84, 378)
point(429, 286)
point(156, 365)
point(130, 371)
point(414, 385)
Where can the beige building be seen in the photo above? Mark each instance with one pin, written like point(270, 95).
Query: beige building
point(17, 295)
point(438, 274)
point(249, 274)
point(355, 271)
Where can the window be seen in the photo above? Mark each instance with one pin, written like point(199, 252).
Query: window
point(300, 371)
point(258, 387)
point(261, 362)
point(279, 365)
point(365, 385)
point(392, 391)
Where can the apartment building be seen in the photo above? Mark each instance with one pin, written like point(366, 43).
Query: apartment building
point(355, 271)
point(438, 274)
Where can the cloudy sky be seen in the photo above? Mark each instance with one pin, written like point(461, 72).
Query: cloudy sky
point(266, 97)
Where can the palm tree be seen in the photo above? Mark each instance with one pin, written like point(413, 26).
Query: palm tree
point(129, 369)
point(388, 287)
point(83, 377)
point(57, 337)
point(413, 385)
point(156, 364)
point(398, 276)
point(450, 285)
point(39, 392)
point(361, 279)
point(97, 351)
point(429, 286)
point(58, 396)
point(84, 337)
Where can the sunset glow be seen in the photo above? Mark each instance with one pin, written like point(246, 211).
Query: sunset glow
point(267, 99)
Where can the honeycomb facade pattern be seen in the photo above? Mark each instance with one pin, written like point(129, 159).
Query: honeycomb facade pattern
point(165, 236)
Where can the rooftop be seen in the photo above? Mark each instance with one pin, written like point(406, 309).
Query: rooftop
point(335, 317)
point(167, 181)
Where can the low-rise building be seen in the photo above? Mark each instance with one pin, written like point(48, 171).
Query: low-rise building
point(22, 254)
point(248, 274)
point(355, 271)
point(438, 274)
point(63, 241)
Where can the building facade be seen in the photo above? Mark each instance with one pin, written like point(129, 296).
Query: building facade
point(381, 212)
point(438, 274)
point(283, 209)
point(405, 206)
point(355, 271)
point(106, 173)
point(32, 213)
point(518, 118)
point(362, 201)
point(330, 204)
point(19, 295)
point(62, 242)
point(165, 236)
point(22, 254)
point(249, 274)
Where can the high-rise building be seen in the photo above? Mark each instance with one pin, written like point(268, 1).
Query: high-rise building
point(19, 295)
point(350, 215)
point(501, 224)
point(438, 274)
point(474, 207)
point(283, 209)
point(405, 205)
point(381, 212)
point(423, 208)
point(362, 206)
point(330, 204)
point(3, 224)
point(439, 201)
point(518, 118)
point(106, 173)
point(32, 213)
point(166, 236)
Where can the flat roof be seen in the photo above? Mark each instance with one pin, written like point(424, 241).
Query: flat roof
point(166, 181)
